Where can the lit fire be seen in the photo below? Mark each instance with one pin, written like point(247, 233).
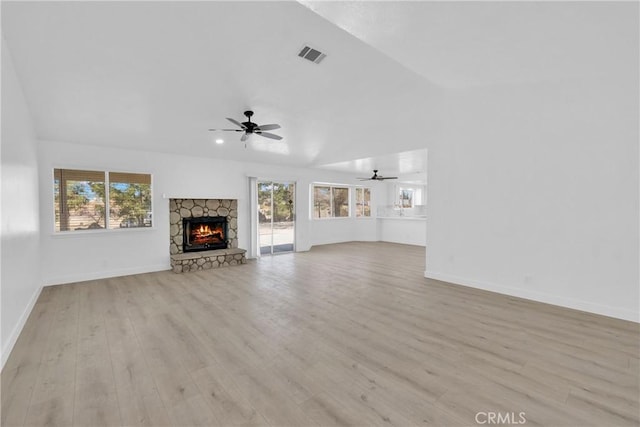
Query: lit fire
point(203, 231)
point(205, 234)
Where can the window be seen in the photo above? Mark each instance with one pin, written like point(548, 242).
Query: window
point(86, 200)
point(79, 199)
point(406, 197)
point(322, 202)
point(330, 202)
point(129, 200)
point(363, 202)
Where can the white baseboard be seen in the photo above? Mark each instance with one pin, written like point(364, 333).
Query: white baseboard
point(13, 337)
point(82, 277)
point(403, 242)
point(618, 313)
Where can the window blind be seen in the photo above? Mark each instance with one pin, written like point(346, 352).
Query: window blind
point(130, 178)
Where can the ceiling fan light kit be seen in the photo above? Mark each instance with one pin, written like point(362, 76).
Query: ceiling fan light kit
point(249, 128)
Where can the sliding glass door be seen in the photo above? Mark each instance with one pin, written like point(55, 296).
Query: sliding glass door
point(276, 217)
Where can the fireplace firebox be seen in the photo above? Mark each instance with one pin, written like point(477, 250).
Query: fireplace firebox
point(204, 233)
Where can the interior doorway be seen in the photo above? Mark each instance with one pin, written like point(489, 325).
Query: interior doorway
point(276, 217)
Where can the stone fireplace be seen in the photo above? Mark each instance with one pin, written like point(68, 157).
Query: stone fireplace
point(203, 234)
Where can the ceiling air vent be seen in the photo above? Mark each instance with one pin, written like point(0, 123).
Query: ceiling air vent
point(311, 54)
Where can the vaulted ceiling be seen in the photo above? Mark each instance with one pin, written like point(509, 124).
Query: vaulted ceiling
point(468, 44)
point(157, 75)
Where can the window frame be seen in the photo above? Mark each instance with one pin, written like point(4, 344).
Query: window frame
point(363, 189)
point(331, 201)
point(107, 183)
point(413, 197)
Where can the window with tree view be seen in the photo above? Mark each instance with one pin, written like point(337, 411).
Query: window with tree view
point(84, 201)
point(406, 198)
point(363, 202)
point(129, 200)
point(330, 202)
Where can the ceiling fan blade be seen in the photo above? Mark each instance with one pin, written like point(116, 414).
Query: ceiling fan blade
point(364, 179)
point(235, 122)
point(244, 137)
point(269, 127)
point(269, 135)
point(226, 130)
point(382, 178)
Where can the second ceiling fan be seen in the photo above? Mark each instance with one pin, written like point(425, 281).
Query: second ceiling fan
point(249, 128)
point(377, 177)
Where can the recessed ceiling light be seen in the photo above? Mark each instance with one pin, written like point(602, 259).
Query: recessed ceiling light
point(219, 141)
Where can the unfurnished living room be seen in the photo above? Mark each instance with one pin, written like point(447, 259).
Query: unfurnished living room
point(320, 213)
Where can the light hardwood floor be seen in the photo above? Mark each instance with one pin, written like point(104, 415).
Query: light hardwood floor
point(348, 334)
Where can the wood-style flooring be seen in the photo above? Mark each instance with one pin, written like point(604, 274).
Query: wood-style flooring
point(348, 334)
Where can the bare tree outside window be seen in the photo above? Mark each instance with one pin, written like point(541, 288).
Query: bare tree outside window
point(322, 202)
point(340, 202)
point(406, 198)
point(330, 202)
point(363, 202)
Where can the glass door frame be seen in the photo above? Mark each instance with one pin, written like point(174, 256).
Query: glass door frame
point(272, 184)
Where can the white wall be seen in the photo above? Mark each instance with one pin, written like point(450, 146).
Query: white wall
point(338, 230)
point(85, 255)
point(20, 274)
point(533, 191)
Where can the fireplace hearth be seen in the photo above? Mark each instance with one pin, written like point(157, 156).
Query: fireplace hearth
point(204, 233)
